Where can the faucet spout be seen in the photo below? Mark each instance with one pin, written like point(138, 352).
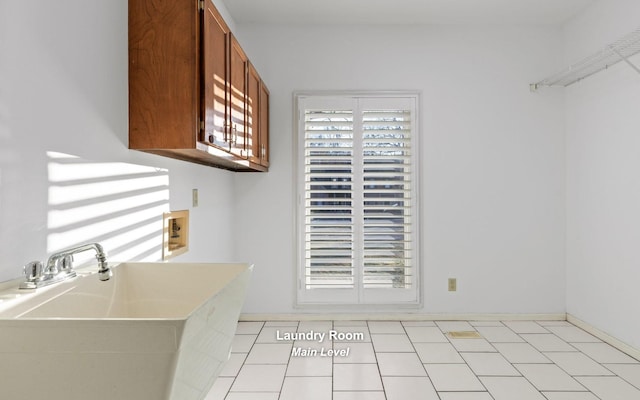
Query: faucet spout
point(104, 272)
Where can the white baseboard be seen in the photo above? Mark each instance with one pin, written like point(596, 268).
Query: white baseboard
point(401, 317)
point(605, 337)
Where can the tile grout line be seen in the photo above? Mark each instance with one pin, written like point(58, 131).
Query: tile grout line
point(244, 361)
point(333, 370)
point(544, 355)
point(404, 328)
point(591, 358)
point(539, 351)
point(603, 364)
point(284, 378)
point(375, 355)
point(465, 361)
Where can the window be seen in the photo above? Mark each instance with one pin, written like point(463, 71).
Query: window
point(357, 199)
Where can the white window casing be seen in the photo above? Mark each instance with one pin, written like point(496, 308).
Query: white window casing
point(357, 197)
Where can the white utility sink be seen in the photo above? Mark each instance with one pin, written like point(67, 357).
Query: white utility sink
point(153, 331)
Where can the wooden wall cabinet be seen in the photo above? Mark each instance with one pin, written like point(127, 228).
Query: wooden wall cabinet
point(189, 87)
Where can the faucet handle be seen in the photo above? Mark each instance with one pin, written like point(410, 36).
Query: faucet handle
point(66, 263)
point(33, 271)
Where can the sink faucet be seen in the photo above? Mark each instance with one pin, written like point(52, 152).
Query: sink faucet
point(60, 267)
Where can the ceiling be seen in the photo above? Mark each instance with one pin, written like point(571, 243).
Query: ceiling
point(405, 11)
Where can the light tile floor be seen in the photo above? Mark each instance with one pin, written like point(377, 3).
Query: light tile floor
point(513, 360)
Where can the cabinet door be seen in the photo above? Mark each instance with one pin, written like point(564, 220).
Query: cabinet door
point(164, 74)
point(238, 98)
point(264, 125)
point(215, 50)
point(253, 115)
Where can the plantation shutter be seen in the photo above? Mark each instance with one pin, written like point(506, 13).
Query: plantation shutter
point(357, 204)
point(329, 224)
point(387, 198)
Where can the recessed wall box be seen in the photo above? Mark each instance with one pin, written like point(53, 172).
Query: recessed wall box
point(175, 233)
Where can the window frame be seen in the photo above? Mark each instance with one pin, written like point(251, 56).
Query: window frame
point(357, 297)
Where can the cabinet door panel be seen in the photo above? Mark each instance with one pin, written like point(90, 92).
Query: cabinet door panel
point(264, 125)
point(253, 115)
point(237, 94)
point(163, 73)
point(215, 48)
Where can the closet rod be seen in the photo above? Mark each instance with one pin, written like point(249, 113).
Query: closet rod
point(620, 50)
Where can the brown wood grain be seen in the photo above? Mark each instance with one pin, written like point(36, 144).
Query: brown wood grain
point(163, 73)
point(215, 79)
point(253, 115)
point(237, 94)
point(264, 125)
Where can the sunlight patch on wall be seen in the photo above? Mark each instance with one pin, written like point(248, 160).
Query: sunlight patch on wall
point(117, 204)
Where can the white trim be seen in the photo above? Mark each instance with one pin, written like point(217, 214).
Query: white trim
point(605, 337)
point(295, 154)
point(358, 200)
point(402, 317)
point(356, 93)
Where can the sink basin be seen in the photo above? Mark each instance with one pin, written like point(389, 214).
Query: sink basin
point(154, 331)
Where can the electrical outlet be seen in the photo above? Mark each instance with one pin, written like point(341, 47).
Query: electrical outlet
point(194, 197)
point(453, 284)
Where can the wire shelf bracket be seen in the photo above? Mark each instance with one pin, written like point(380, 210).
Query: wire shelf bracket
point(620, 50)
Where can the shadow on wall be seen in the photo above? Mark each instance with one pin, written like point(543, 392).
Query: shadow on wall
point(117, 204)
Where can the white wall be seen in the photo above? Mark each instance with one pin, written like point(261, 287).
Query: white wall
point(63, 89)
point(603, 178)
point(492, 157)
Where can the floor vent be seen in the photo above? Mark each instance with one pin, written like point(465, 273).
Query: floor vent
point(464, 335)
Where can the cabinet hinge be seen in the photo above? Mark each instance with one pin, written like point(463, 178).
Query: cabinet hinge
point(201, 124)
point(201, 5)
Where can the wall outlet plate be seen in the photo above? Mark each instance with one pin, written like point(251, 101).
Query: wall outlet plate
point(194, 197)
point(453, 284)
